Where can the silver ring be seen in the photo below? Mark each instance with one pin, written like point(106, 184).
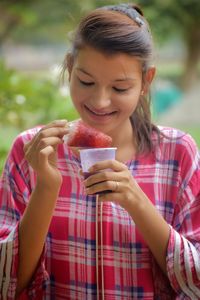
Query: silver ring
point(116, 186)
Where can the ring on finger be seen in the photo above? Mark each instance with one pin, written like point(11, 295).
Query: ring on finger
point(116, 186)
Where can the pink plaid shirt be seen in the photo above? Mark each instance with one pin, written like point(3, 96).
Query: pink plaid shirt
point(94, 251)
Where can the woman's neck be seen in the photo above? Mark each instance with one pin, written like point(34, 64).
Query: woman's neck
point(124, 140)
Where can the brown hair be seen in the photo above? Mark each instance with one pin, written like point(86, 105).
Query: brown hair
point(121, 29)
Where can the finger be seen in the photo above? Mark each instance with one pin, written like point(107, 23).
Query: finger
point(106, 187)
point(42, 135)
point(57, 123)
point(33, 148)
point(45, 153)
point(43, 131)
point(28, 143)
point(49, 141)
point(52, 131)
point(26, 146)
point(101, 177)
point(108, 164)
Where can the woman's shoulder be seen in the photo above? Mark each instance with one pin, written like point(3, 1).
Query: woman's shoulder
point(175, 144)
point(17, 147)
point(171, 132)
point(170, 135)
point(27, 135)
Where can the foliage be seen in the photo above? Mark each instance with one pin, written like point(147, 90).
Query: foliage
point(171, 16)
point(19, 18)
point(178, 18)
point(166, 17)
point(32, 21)
point(26, 101)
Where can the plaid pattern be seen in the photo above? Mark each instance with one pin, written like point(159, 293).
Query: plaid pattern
point(169, 176)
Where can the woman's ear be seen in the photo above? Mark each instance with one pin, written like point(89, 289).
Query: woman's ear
point(148, 78)
point(69, 63)
point(150, 74)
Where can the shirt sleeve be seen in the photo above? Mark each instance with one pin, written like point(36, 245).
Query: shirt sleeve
point(183, 253)
point(15, 190)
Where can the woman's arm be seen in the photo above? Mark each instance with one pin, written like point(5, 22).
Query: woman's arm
point(176, 252)
point(33, 229)
point(130, 196)
point(152, 226)
point(41, 154)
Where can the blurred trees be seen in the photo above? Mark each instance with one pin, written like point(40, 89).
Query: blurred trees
point(38, 18)
point(31, 20)
point(26, 101)
point(34, 19)
point(178, 17)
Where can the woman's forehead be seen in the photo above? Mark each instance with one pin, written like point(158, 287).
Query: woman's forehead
point(90, 60)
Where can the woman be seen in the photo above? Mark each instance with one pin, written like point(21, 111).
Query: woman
point(147, 229)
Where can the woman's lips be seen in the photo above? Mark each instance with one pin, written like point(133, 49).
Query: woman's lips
point(99, 113)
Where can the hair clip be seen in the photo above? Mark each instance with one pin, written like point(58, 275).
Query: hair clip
point(127, 10)
point(139, 21)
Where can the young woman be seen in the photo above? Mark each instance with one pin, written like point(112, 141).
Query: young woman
point(58, 240)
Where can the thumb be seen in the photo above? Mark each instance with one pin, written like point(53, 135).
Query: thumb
point(45, 153)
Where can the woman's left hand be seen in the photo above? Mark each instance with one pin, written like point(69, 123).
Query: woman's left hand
point(113, 176)
point(126, 192)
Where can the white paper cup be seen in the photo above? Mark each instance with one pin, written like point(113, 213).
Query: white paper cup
point(90, 156)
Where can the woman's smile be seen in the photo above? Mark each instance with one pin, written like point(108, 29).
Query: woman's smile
point(100, 115)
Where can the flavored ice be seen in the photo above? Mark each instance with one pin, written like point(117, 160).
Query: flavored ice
point(83, 136)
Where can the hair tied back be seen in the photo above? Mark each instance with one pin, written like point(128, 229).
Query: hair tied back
point(131, 11)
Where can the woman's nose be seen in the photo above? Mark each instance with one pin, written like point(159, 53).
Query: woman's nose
point(101, 99)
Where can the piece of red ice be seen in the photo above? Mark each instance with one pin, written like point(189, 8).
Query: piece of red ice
point(85, 136)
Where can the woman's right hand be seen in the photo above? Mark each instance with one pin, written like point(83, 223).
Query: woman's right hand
point(41, 153)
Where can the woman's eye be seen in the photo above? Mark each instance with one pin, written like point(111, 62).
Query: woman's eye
point(87, 83)
point(120, 90)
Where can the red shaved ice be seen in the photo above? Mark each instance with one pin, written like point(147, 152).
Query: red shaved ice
point(84, 136)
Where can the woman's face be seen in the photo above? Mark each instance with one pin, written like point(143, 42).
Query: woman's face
point(105, 89)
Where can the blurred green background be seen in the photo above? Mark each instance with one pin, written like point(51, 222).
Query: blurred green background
point(35, 36)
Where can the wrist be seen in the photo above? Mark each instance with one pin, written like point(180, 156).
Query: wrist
point(48, 187)
point(137, 203)
point(49, 180)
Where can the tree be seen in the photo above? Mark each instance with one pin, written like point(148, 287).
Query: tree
point(170, 17)
point(183, 17)
point(19, 17)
